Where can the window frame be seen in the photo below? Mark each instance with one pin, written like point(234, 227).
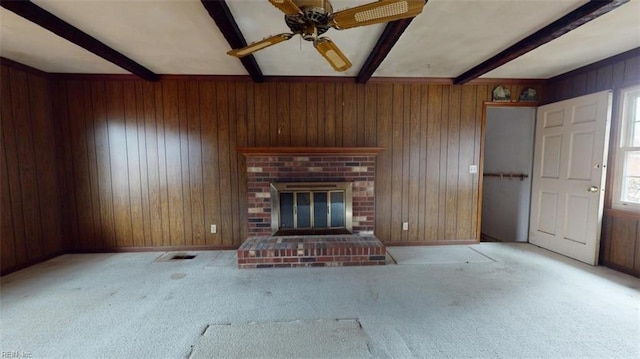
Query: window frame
point(626, 111)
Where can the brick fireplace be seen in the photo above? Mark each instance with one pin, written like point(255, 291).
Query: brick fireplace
point(269, 166)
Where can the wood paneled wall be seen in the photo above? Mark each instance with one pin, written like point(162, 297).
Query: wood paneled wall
point(154, 164)
point(29, 210)
point(620, 239)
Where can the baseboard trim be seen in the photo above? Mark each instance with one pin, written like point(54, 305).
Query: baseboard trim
point(620, 268)
point(154, 249)
point(29, 263)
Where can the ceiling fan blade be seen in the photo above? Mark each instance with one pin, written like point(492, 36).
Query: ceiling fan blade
point(332, 54)
point(286, 6)
point(259, 45)
point(376, 12)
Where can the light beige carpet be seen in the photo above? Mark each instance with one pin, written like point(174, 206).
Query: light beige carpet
point(342, 338)
point(437, 255)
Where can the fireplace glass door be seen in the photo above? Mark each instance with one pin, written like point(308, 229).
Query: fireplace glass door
point(312, 210)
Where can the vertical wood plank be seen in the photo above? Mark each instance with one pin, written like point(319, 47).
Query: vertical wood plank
point(210, 161)
point(311, 93)
point(251, 118)
point(173, 162)
point(133, 162)
point(604, 78)
point(226, 223)
point(185, 164)
point(108, 239)
point(196, 188)
point(69, 228)
point(141, 98)
point(384, 118)
point(232, 119)
point(45, 151)
point(297, 103)
point(422, 216)
point(12, 167)
point(622, 249)
point(161, 134)
point(283, 116)
point(465, 204)
point(397, 165)
point(636, 253)
point(339, 113)
point(482, 95)
point(155, 189)
point(322, 114)
point(330, 115)
point(80, 164)
point(592, 76)
point(406, 160)
point(444, 149)
point(261, 113)
point(370, 112)
point(119, 165)
point(632, 70)
point(415, 156)
point(243, 108)
point(349, 115)
point(433, 169)
point(26, 163)
point(360, 115)
point(8, 254)
point(274, 120)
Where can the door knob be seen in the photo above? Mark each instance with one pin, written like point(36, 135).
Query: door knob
point(593, 189)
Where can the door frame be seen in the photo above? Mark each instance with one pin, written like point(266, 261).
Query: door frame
point(483, 128)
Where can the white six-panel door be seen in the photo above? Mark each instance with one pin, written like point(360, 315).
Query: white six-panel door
point(569, 175)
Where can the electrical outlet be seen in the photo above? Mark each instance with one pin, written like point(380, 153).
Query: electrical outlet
point(473, 169)
point(405, 226)
point(214, 228)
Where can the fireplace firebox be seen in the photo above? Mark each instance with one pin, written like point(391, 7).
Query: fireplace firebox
point(311, 208)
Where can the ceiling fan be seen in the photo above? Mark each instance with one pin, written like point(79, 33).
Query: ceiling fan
point(312, 18)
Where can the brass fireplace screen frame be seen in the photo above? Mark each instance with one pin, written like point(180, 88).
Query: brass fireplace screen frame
point(311, 187)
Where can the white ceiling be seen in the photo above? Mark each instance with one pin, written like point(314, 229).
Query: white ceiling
point(448, 38)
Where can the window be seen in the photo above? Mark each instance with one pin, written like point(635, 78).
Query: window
point(627, 171)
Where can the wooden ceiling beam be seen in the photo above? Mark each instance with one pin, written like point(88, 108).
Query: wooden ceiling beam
point(386, 42)
point(221, 15)
point(585, 13)
point(47, 20)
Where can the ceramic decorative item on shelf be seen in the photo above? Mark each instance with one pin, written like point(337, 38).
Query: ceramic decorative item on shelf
point(528, 95)
point(501, 94)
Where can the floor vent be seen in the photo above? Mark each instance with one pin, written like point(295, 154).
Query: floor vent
point(175, 256)
point(178, 257)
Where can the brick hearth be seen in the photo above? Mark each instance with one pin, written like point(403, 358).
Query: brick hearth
point(311, 251)
point(296, 164)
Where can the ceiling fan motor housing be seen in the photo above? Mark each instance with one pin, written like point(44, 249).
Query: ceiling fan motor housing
point(315, 14)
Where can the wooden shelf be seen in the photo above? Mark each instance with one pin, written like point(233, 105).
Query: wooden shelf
point(302, 151)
